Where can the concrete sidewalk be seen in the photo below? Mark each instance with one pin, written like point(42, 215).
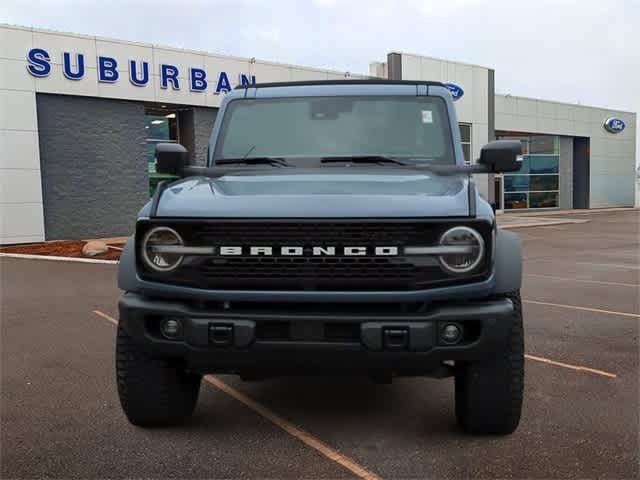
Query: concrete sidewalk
point(554, 217)
point(518, 221)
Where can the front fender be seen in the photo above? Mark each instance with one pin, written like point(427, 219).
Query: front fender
point(127, 276)
point(508, 263)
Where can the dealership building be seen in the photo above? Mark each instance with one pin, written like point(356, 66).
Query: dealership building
point(80, 117)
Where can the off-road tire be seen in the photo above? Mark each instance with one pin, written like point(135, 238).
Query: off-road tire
point(489, 393)
point(153, 392)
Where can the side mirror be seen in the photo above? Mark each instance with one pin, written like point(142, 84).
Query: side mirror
point(501, 156)
point(171, 159)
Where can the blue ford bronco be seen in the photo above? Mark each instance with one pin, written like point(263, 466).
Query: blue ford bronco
point(335, 229)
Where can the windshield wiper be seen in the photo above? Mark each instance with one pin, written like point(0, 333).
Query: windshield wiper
point(281, 162)
point(363, 159)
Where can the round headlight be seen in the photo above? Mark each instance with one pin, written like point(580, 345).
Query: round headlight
point(465, 261)
point(155, 252)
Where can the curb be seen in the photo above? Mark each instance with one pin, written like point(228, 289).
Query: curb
point(59, 259)
point(580, 212)
point(543, 224)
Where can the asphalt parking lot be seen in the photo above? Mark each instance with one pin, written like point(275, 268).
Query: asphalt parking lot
point(61, 418)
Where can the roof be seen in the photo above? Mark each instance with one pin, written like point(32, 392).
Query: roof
point(372, 81)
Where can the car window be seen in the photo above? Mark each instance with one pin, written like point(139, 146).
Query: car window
point(337, 126)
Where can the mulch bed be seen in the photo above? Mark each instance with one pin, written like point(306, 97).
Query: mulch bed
point(63, 248)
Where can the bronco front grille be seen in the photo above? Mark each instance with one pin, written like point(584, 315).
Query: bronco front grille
point(309, 272)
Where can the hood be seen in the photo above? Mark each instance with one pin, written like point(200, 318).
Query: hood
point(388, 193)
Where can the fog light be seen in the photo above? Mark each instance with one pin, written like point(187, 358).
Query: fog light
point(451, 333)
point(171, 328)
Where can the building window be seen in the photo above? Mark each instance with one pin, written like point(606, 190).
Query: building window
point(537, 183)
point(161, 126)
point(465, 138)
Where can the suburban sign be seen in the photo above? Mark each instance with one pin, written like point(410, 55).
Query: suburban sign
point(614, 125)
point(109, 71)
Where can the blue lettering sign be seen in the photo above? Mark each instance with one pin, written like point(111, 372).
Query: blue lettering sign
point(107, 70)
point(614, 125)
point(67, 67)
point(133, 73)
point(74, 68)
point(244, 80)
point(456, 91)
point(39, 65)
point(223, 83)
point(198, 82)
point(169, 73)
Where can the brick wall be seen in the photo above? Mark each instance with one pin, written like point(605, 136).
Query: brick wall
point(204, 119)
point(94, 169)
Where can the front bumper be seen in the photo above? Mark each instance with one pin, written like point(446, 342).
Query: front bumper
point(255, 343)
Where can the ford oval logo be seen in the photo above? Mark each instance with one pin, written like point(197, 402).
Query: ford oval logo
point(456, 91)
point(614, 125)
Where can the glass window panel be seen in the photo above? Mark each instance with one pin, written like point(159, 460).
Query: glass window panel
point(465, 132)
point(156, 126)
point(151, 153)
point(544, 144)
point(337, 126)
point(466, 149)
point(516, 183)
point(543, 182)
point(544, 164)
point(515, 200)
point(543, 200)
point(524, 165)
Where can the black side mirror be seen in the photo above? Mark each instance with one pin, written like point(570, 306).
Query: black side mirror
point(171, 159)
point(501, 156)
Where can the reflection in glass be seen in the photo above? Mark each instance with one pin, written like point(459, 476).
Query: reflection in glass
point(544, 164)
point(543, 182)
point(515, 200)
point(516, 183)
point(543, 200)
point(544, 144)
point(465, 132)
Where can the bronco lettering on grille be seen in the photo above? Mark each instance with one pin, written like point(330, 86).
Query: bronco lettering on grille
point(316, 251)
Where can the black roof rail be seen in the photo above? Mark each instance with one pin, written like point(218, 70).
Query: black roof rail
point(361, 81)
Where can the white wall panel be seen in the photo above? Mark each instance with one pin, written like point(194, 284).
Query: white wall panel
point(20, 221)
point(123, 52)
point(411, 69)
point(57, 83)
point(18, 110)
point(15, 42)
point(612, 156)
point(58, 43)
point(20, 186)
point(126, 90)
point(19, 149)
point(302, 74)
point(180, 58)
point(14, 75)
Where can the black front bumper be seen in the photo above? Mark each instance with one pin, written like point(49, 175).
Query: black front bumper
point(255, 343)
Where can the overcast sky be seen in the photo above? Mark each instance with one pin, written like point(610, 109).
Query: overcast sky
point(583, 51)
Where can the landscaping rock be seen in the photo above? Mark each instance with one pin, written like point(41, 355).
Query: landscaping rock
point(94, 247)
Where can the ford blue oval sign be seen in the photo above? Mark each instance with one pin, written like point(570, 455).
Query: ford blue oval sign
point(614, 125)
point(456, 91)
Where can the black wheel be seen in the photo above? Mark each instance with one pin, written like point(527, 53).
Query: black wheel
point(153, 392)
point(489, 393)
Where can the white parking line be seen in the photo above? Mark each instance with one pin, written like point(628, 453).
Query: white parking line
point(581, 280)
point(571, 367)
point(610, 265)
point(58, 259)
point(586, 309)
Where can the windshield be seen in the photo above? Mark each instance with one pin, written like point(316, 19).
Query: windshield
point(319, 127)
